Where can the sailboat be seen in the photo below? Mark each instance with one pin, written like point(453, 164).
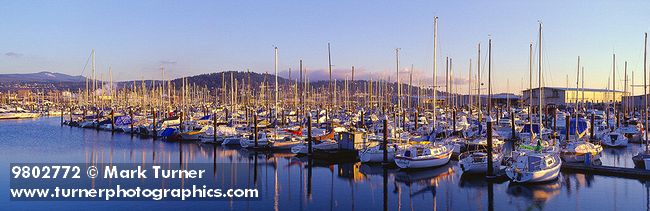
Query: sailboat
point(642, 159)
point(323, 142)
point(476, 161)
point(615, 137)
point(290, 138)
point(263, 140)
point(539, 164)
point(576, 148)
point(426, 155)
point(423, 156)
point(376, 154)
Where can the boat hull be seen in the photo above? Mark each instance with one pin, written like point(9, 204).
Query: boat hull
point(413, 163)
point(231, 141)
point(533, 177)
point(376, 156)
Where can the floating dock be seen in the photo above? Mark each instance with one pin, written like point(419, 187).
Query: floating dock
point(607, 170)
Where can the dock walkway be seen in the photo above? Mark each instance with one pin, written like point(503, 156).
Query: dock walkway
point(607, 170)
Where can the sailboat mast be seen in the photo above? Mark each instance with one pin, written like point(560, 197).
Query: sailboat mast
point(583, 88)
point(625, 89)
point(530, 84)
point(645, 87)
point(110, 78)
point(301, 87)
point(94, 78)
point(399, 88)
point(446, 84)
point(540, 78)
point(507, 95)
point(354, 89)
point(451, 90)
point(223, 88)
point(576, 106)
point(329, 66)
point(489, 103)
point(478, 83)
point(410, 87)
point(614, 83)
point(162, 84)
point(435, 68)
point(275, 67)
point(469, 88)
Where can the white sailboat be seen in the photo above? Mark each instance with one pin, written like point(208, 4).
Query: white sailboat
point(262, 140)
point(615, 137)
point(423, 156)
point(531, 167)
point(475, 162)
point(538, 165)
point(375, 154)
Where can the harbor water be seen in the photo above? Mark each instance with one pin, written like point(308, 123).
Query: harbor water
point(286, 183)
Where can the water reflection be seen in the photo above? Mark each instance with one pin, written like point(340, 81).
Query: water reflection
point(300, 183)
point(536, 194)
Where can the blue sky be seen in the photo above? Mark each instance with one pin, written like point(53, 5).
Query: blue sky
point(194, 37)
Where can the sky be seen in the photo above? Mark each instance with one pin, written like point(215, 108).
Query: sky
point(136, 38)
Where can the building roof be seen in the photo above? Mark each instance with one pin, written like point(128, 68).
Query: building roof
point(574, 89)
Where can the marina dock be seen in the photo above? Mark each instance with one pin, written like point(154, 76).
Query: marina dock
point(607, 170)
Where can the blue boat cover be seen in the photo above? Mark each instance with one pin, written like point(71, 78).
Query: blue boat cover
point(168, 132)
point(207, 117)
point(527, 128)
point(122, 120)
point(582, 127)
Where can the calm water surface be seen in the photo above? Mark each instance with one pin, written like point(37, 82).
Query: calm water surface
point(286, 184)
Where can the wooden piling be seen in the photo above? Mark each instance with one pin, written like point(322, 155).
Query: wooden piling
point(255, 129)
point(214, 127)
point(384, 144)
point(362, 122)
point(593, 117)
point(416, 119)
point(555, 124)
point(112, 120)
point(70, 115)
point(180, 126)
point(97, 114)
point(453, 120)
point(228, 115)
point(62, 109)
point(309, 141)
point(395, 120)
point(512, 125)
point(404, 125)
point(132, 120)
point(155, 133)
point(490, 169)
point(567, 121)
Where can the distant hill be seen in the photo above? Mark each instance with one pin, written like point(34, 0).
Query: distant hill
point(58, 81)
point(40, 77)
point(213, 80)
